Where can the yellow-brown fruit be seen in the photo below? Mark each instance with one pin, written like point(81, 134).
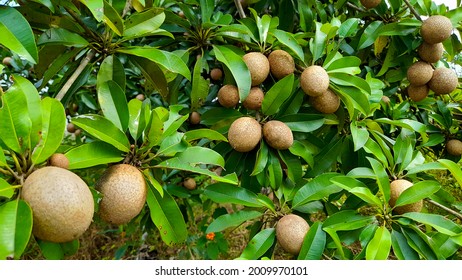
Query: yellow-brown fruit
point(326, 103)
point(436, 29)
point(369, 4)
point(123, 188)
point(7, 61)
point(194, 118)
point(454, 147)
point(228, 96)
point(254, 99)
point(281, 64)
point(189, 183)
point(278, 135)
point(443, 81)
point(417, 93)
point(385, 99)
point(419, 73)
point(430, 53)
point(216, 74)
point(290, 232)
point(314, 80)
point(396, 188)
point(258, 65)
point(140, 97)
point(244, 134)
point(61, 203)
point(59, 160)
point(71, 128)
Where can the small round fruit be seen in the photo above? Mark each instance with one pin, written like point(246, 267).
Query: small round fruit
point(290, 233)
point(61, 203)
point(314, 80)
point(124, 190)
point(71, 128)
point(194, 118)
point(385, 99)
point(443, 81)
point(278, 135)
point(454, 147)
point(140, 97)
point(7, 61)
point(281, 64)
point(216, 74)
point(254, 99)
point(258, 65)
point(396, 188)
point(419, 73)
point(436, 29)
point(370, 4)
point(430, 53)
point(59, 160)
point(244, 134)
point(327, 103)
point(189, 183)
point(228, 96)
point(417, 93)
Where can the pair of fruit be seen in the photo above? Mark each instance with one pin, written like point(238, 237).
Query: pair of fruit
point(315, 83)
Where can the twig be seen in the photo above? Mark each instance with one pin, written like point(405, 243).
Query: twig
point(81, 23)
point(353, 6)
point(458, 215)
point(75, 75)
point(127, 7)
point(239, 8)
point(413, 11)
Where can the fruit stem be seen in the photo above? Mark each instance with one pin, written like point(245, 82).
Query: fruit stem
point(458, 215)
point(239, 8)
point(353, 6)
point(413, 11)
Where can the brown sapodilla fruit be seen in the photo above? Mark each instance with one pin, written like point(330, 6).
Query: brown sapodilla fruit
point(430, 53)
point(314, 80)
point(417, 93)
point(194, 118)
point(443, 81)
point(369, 4)
point(59, 160)
point(435, 29)
point(278, 135)
point(419, 73)
point(454, 147)
point(326, 103)
point(216, 74)
point(281, 64)
point(258, 65)
point(7, 61)
point(254, 99)
point(61, 203)
point(290, 233)
point(396, 188)
point(189, 184)
point(244, 134)
point(124, 190)
point(228, 96)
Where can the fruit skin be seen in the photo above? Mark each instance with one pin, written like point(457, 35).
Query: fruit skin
point(314, 80)
point(326, 103)
point(244, 134)
point(278, 135)
point(7, 60)
point(281, 64)
point(417, 93)
point(396, 188)
point(443, 81)
point(216, 74)
point(258, 66)
point(71, 128)
point(190, 184)
point(228, 96)
point(124, 190)
point(436, 29)
point(59, 160)
point(430, 53)
point(61, 203)
point(195, 118)
point(254, 99)
point(419, 73)
point(290, 232)
point(369, 4)
point(140, 97)
point(454, 147)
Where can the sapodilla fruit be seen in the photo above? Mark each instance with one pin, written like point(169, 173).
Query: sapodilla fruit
point(59, 160)
point(436, 29)
point(254, 99)
point(369, 4)
point(124, 190)
point(419, 73)
point(326, 103)
point(194, 118)
point(281, 64)
point(290, 233)
point(454, 147)
point(228, 96)
point(396, 188)
point(258, 65)
point(61, 203)
point(430, 53)
point(189, 183)
point(417, 93)
point(443, 81)
point(278, 135)
point(314, 80)
point(216, 74)
point(244, 134)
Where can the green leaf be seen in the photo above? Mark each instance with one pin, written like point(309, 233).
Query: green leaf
point(104, 130)
point(369, 35)
point(259, 244)
point(237, 67)
point(200, 86)
point(318, 44)
point(274, 171)
point(54, 125)
point(316, 189)
point(51, 250)
point(382, 178)
point(380, 245)
point(289, 40)
point(417, 192)
point(197, 155)
point(360, 135)
point(349, 65)
point(93, 154)
point(17, 34)
point(153, 183)
point(226, 193)
point(139, 117)
point(277, 95)
point(347, 220)
point(96, 7)
point(303, 122)
point(60, 36)
point(454, 168)
point(401, 248)
point(113, 102)
point(143, 24)
point(232, 220)
point(348, 28)
point(326, 158)
point(111, 69)
point(262, 159)
point(202, 133)
point(357, 188)
point(438, 222)
point(6, 190)
point(314, 243)
point(167, 217)
point(15, 228)
point(154, 129)
point(155, 77)
point(113, 19)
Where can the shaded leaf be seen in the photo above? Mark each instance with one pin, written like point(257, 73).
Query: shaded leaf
point(231, 220)
point(226, 193)
point(93, 154)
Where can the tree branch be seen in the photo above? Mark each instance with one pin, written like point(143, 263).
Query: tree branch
point(413, 11)
point(239, 8)
point(353, 6)
point(458, 215)
point(81, 23)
